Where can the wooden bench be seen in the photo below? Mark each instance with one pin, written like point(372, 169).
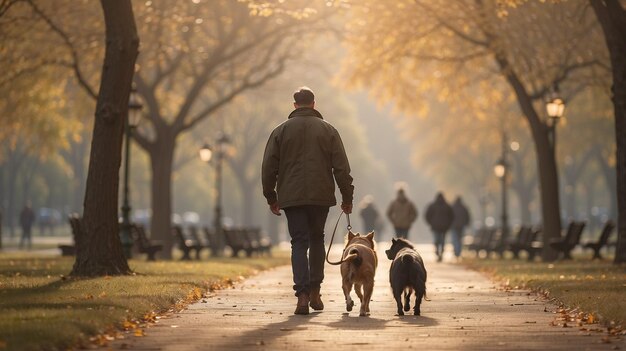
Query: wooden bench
point(70, 250)
point(211, 238)
point(483, 241)
point(186, 245)
point(571, 239)
point(520, 241)
point(602, 240)
point(533, 244)
point(201, 243)
point(260, 244)
point(144, 245)
point(237, 241)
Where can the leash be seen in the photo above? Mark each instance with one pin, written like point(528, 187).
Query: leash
point(332, 238)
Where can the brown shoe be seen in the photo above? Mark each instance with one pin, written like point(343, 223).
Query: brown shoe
point(303, 304)
point(316, 301)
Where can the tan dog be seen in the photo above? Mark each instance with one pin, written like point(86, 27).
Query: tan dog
point(358, 269)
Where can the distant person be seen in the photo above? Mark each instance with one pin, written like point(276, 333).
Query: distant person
point(461, 220)
point(402, 213)
point(303, 159)
point(439, 216)
point(27, 218)
point(369, 214)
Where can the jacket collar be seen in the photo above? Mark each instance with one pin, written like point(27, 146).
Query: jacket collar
point(305, 112)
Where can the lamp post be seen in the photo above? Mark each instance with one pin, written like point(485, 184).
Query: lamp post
point(206, 154)
point(132, 120)
point(501, 170)
point(555, 106)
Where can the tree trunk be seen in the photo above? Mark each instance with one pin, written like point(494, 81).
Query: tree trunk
point(612, 18)
point(161, 159)
point(548, 174)
point(98, 246)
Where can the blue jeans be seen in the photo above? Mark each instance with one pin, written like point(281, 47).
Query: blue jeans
point(457, 241)
point(402, 232)
point(306, 228)
point(440, 242)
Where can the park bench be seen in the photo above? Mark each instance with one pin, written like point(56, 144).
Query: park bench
point(198, 239)
point(520, 241)
point(186, 245)
point(260, 244)
point(571, 239)
point(70, 250)
point(144, 245)
point(533, 244)
point(211, 238)
point(483, 241)
point(237, 241)
point(602, 240)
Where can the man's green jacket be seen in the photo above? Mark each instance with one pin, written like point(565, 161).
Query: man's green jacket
point(301, 157)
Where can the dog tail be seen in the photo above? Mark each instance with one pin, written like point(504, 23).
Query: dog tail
point(354, 257)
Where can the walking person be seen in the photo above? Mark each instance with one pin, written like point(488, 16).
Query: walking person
point(302, 156)
point(369, 214)
point(402, 213)
point(439, 216)
point(27, 218)
point(461, 220)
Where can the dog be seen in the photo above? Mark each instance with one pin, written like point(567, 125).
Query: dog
point(358, 269)
point(406, 275)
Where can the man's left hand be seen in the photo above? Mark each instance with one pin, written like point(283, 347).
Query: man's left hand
point(346, 208)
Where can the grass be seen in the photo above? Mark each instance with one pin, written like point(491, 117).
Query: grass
point(597, 287)
point(41, 309)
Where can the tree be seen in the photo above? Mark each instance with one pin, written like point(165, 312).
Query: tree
point(612, 17)
point(196, 60)
point(99, 251)
point(466, 47)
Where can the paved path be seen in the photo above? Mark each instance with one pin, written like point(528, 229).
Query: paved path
point(466, 312)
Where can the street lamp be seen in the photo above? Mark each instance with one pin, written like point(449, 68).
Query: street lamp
point(206, 154)
point(501, 170)
point(555, 106)
point(132, 120)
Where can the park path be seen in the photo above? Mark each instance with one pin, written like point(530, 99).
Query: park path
point(466, 312)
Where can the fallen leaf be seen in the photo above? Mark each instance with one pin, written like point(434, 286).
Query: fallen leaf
point(139, 332)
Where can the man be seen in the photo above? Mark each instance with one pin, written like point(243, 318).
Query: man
point(439, 216)
point(27, 218)
point(461, 220)
point(402, 213)
point(301, 157)
point(369, 214)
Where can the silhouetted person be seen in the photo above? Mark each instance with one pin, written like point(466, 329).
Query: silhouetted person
point(402, 213)
point(302, 156)
point(461, 220)
point(27, 218)
point(369, 214)
point(439, 216)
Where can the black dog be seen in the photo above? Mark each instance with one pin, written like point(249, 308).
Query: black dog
point(407, 274)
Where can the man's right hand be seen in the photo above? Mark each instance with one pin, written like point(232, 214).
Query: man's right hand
point(346, 208)
point(275, 208)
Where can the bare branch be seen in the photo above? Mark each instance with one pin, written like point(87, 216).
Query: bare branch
point(82, 81)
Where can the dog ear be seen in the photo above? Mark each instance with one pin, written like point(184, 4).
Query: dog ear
point(370, 236)
point(350, 235)
point(393, 240)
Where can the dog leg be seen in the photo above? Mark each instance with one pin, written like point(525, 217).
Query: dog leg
point(347, 286)
point(407, 300)
point(358, 290)
point(397, 294)
point(368, 288)
point(418, 302)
